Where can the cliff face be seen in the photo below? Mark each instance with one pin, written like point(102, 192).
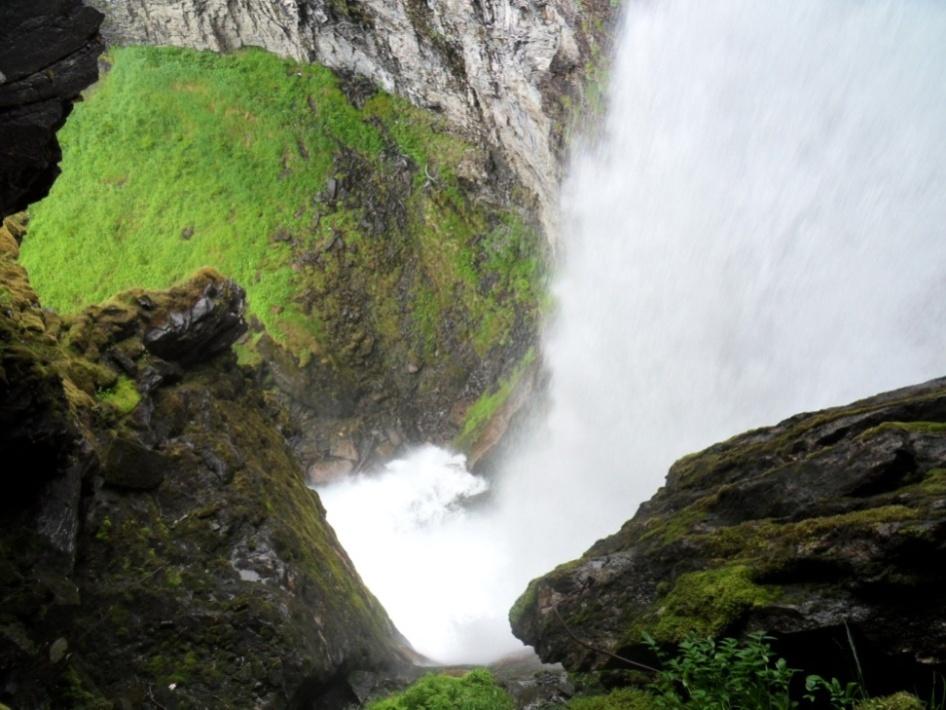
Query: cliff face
point(503, 70)
point(48, 54)
point(159, 544)
point(824, 523)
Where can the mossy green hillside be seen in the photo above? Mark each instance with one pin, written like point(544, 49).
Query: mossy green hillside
point(201, 555)
point(266, 170)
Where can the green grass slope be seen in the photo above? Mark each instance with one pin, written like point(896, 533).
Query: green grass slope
point(181, 159)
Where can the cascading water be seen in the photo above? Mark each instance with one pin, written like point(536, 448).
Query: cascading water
point(760, 229)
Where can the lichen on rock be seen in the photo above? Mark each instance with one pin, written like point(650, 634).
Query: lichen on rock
point(825, 525)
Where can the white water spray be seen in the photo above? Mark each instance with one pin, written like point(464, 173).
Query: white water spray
point(760, 230)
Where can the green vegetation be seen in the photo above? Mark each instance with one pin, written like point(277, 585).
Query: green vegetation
point(265, 170)
point(710, 675)
point(705, 603)
point(477, 690)
point(123, 396)
point(619, 699)
point(483, 409)
point(726, 674)
point(897, 701)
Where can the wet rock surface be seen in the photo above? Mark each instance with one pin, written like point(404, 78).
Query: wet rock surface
point(825, 523)
point(159, 544)
point(48, 53)
point(212, 324)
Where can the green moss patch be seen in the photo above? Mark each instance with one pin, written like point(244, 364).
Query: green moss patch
point(525, 603)
point(620, 699)
point(705, 604)
point(477, 690)
point(898, 701)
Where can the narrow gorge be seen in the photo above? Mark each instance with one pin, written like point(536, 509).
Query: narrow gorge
point(355, 354)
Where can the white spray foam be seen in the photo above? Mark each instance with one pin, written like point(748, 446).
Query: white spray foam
point(760, 230)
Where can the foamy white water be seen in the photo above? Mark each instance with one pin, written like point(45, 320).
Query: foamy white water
point(760, 230)
point(435, 566)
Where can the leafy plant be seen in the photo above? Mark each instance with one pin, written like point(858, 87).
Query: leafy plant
point(718, 675)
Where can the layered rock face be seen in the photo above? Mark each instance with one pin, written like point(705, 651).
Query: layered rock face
point(827, 524)
point(501, 69)
point(159, 543)
point(48, 53)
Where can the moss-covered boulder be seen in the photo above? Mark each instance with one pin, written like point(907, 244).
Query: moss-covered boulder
point(159, 544)
point(827, 530)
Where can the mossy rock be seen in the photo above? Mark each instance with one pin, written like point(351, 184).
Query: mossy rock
point(130, 464)
point(175, 550)
point(827, 528)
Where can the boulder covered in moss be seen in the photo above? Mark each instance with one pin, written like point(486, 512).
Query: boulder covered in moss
point(394, 267)
point(167, 551)
point(827, 530)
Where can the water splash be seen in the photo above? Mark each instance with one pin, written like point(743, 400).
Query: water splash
point(760, 230)
point(432, 563)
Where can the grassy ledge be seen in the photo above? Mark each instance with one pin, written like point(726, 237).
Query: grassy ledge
point(267, 171)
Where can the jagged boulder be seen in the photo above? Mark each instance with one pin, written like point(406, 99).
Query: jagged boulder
point(169, 552)
point(825, 525)
point(208, 326)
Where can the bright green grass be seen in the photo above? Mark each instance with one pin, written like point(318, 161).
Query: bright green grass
point(477, 690)
point(181, 159)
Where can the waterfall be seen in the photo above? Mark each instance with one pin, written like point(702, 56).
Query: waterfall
point(758, 229)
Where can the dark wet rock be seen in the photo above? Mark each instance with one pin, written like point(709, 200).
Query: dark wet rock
point(48, 54)
point(208, 326)
point(826, 522)
point(130, 464)
point(37, 433)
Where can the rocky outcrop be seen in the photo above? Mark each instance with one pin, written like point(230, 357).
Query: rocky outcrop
point(159, 544)
point(208, 326)
point(505, 70)
point(48, 53)
point(826, 524)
